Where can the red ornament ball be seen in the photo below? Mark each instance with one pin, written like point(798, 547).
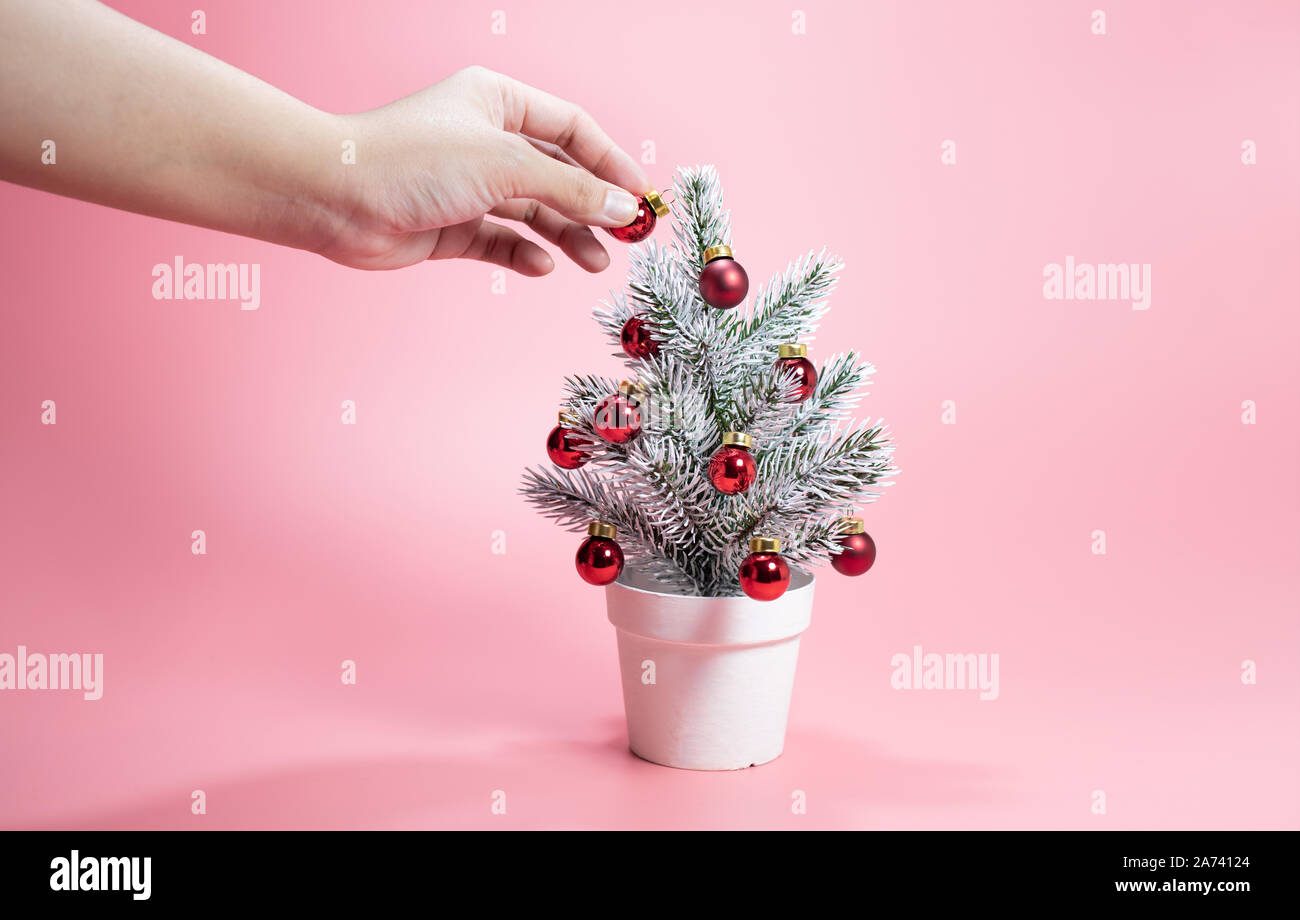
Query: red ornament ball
point(636, 339)
point(564, 447)
point(599, 560)
point(858, 555)
point(640, 228)
point(764, 576)
point(732, 469)
point(803, 371)
point(617, 418)
point(723, 282)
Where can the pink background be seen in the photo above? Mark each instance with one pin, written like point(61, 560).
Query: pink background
point(480, 672)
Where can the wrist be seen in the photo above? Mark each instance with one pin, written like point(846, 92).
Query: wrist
point(313, 195)
point(336, 199)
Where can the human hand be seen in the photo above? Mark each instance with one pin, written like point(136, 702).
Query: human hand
point(432, 165)
point(179, 135)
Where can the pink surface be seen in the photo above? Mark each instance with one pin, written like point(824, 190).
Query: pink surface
point(480, 672)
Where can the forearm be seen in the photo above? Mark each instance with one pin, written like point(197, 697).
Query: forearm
point(148, 124)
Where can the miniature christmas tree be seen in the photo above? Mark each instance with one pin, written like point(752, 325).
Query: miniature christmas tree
point(723, 433)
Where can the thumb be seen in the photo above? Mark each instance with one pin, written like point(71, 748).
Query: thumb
point(573, 191)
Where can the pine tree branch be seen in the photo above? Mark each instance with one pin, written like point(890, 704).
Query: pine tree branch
point(838, 391)
point(802, 475)
point(788, 309)
point(575, 498)
point(701, 221)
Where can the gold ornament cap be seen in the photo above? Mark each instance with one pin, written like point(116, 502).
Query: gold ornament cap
point(601, 529)
point(737, 439)
point(632, 388)
point(718, 252)
point(765, 545)
point(657, 203)
point(852, 525)
point(566, 420)
point(793, 350)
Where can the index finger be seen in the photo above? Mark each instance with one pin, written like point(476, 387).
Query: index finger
point(548, 118)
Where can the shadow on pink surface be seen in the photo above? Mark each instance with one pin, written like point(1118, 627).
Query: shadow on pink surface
point(567, 784)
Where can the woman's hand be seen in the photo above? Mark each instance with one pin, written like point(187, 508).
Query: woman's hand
point(148, 124)
point(430, 166)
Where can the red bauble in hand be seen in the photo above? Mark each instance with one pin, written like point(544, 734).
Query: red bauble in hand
point(617, 418)
point(764, 575)
point(636, 339)
point(859, 552)
point(564, 446)
point(732, 468)
point(792, 359)
point(651, 208)
point(599, 560)
point(723, 281)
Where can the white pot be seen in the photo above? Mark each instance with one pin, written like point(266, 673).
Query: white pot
point(722, 669)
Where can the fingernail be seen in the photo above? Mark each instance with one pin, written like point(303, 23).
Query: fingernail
point(620, 206)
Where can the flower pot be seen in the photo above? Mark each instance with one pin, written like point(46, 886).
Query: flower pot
point(707, 680)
